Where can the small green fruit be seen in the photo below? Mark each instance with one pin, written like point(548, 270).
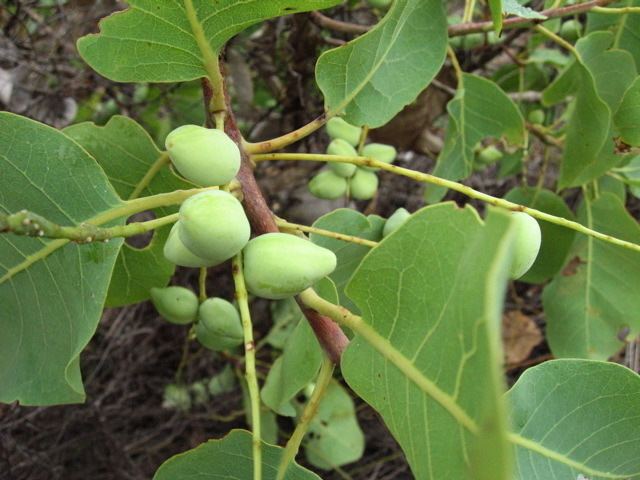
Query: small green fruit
point(178, 254)
point(202, 155)
point(536, 117)
point(395, 221)
point(526, 245)
point(489, 155)
point(278, 265)
point(328, 185)
point(343, 148)
point(213, 226)
point(380, 152)
point(571, 30)
point(176, 304)
point(455, 42)
point(219, 326)
point(473, 40)
point(379, 3)
point(364, 185)
point(338, 128)
point(176, 397)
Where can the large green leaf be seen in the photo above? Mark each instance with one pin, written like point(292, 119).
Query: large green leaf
point(126, 153)
point(158, 41)
point(51, 292)
point(627, 118)
point(625, 27)
point(433, 290)
point(230, 458)
point(576, 419)
point(597, 296)
point(372, 78)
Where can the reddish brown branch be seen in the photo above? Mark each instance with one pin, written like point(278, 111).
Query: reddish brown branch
point(329, 334)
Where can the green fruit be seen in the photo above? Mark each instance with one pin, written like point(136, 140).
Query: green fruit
point(176, 304)
point(176, 396)
point(328, 185)
point(526, 244)
point(489, 155)
point(338, 128)
point(364, 185)
point(455, 42)
point(379, 3)
point(202, 155)
point(219, 326)
point(278, 265)
point(536, 117)
point(178, 254)
point(380, 152)
point(395, 221)
point(343, 148)
point(571, 30)
point(213, 226)
point(473, 40)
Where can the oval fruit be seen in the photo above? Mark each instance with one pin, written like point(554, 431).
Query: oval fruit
point(364, 185)
point(526, 243)
point(338, 128)
point(473, 40)
point(343, 148)
point(219, 326)
point(328, 185)
point(380, 152)
point(176, 304)
point(571, 30)
point(278, 265)
point(379, 3)
point(178, 254)
point(213, 226)
point(395, 221)
point(203, 156)
point(176, 396)
point(489, 155)
point(536, 117)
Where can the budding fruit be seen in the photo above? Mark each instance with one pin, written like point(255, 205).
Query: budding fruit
point(380, 152)
point(536, 117)
point(328, 185)
point(178, 254)
point(202, 155)
point(473, 40)
point(489, 155)
point(213, 226)
point(395, 221)
point(364, 185)
point(571, 30)
point(343, 148)
point(219, 326)
point(379, 3)
point(526, 244)
point(176, 304)
point(278, 265)
point(176, 396)
point(338, 128)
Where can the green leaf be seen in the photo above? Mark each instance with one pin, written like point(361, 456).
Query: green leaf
point(556, 240)
point(155, 41)
point(625, 27)
point(372, 78)
point(230, 458)
point(126, 153)
point(433, 291)
point(513, 7)
point(627, 118)
point(496, 7)
point(597, 296)
point(576, 419)
point(51, 291)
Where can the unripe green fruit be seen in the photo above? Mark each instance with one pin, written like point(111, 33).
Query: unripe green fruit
point(489, 155)
point(379, 3)
point(278, 265)
point(571, 30)
point(526, 245)
point(455, 42)
point(176, 396)
point(338, 128)
point(213, 226)
point(176, 304)
point(364, 185)
point(473, 40)
point(536, 117)
point(178, 254)
point(380, 152)
point(395, 221)
point(328, 185)
point(343, 148)
point(202, 155)
point(219, 326)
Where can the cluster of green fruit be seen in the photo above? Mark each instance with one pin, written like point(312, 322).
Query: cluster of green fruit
point(338, 178)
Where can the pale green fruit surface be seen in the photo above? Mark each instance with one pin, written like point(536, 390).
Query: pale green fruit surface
point(278, 265)
point(381, 152)
point(219, 326)
point(213, 226)
point(178, 254)
point(176, 396)
point(395, 221)
point(338, 128)
point(328, 185)
point(364, 185)
point(379, 3)
point(526, 245)
point(176, 304)
point(489, 155)
point(536, 117)
point(571, 30)
point(202, 155)
point(343, 148)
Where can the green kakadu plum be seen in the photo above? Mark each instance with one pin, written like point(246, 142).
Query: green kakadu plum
point(489, 155)
point(328, 186)
point(473, 40)
point(202, 155)
point(380, 3)
point(536, 117)
point(338, 128)
point(213, 226)
point(279, 265)
point(345, 149)
point(380, 152)
point(178, 254)
point(219, 326)
point(363, 185)
point(526, 244)
point(176, 396)
point(571, 30)
point(176, 304)
point(395, 221)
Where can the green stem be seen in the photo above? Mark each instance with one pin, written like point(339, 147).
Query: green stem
point(469, 7)
point(458, 187)
point(283, 224)
point(310, 411)
point(616, 11)
point(158, 165)
point(202, 284)
point(250, 363)
point(559, 40)
point(456, 65)
point(287, 139)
